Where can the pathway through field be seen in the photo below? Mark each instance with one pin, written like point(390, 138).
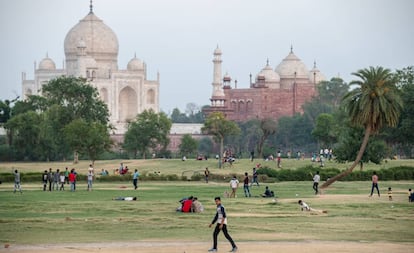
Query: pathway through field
point(198, 247)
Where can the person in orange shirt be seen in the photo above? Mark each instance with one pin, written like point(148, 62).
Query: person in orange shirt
point(374, 184)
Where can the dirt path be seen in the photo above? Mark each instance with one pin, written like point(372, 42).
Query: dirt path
point(196, 247)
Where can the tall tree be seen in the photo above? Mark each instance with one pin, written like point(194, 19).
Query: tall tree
point(218, 126)
point(147, 132)
point(267, 127)
point(188, 144)
point(90, 138)
point(324, 130)
point(27, 131)
point(374, 104)
point(404, 136)
point(331, 92)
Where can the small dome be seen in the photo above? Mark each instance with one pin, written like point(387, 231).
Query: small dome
point(315, 75)
point(291, 65)
point(135, 64)
point(226, 78)
point(268, 74)
point(47, 64)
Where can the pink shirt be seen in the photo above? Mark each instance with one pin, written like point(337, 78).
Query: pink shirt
point(374, 179)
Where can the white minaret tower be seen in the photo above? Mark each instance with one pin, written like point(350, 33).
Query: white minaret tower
point(217, 99)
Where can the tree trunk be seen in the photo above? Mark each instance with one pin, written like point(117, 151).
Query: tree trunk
point(260, 146)
point(221, 150)
point(354, 164)
point(75, 157)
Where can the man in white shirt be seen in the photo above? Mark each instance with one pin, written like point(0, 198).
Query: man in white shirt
point(234, 183)
point(316, 180)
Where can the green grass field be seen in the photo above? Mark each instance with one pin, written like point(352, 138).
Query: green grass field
point(36, 217)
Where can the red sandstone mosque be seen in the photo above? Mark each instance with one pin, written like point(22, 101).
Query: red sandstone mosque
point(275, 93)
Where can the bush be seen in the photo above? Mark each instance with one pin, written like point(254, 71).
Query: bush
point(266, 175)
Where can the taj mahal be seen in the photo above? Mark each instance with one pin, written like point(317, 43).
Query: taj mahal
point(91, 52)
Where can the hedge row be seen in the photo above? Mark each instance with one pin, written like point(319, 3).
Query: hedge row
point(265, 175)
point(306, 173)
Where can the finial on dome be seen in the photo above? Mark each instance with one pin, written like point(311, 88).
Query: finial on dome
point(47, 54)
point(90, 7)
point(135, 55)
point(314, 64)
point(267, 62)
point(291, 49)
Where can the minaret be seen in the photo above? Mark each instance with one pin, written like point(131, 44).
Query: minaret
point(217, 98)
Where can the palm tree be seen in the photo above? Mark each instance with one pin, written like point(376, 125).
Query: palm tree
point(373, 105)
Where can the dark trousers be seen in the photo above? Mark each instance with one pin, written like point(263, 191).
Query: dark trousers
point(376, 187)
point(226, 234)
point(315, 187)
point(135, 182)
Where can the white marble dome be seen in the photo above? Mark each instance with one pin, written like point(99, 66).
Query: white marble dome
point(291, 65)
point(135, 64)
point(99, 39)
point(47, 64)
point(269, 74)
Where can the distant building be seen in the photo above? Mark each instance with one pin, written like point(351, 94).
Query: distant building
point(275, 93)
point(91, 51)
point(178, 130)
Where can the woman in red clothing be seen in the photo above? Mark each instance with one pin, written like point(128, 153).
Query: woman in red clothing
point(187, 205)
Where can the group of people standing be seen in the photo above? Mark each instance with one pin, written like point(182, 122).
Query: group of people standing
point(56, 180)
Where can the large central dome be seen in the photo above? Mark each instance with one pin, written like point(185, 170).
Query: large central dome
point(292, 66)
point(100, 41)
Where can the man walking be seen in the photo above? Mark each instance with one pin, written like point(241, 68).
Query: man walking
point(135, 179)
point(17, 182)
point(255, 176)
point(221, 219)
point(316, 180)
point(246, 185)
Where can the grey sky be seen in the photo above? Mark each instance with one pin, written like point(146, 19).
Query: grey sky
point(178, 37)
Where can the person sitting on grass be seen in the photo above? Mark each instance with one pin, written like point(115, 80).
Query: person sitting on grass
point(196, 206)
point(186, 204)
point(306, 207)
point(268, 193)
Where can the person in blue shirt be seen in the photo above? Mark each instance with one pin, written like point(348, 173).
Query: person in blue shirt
point(135, 179)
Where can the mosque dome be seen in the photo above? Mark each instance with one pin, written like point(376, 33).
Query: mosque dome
point(291, 65)
point(268, 74)
point(99, 40)
point(47, 64)
point(315, 75)
point(135, 64)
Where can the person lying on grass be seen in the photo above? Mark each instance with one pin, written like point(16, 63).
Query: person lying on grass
point(125, 198)
point(306, 207)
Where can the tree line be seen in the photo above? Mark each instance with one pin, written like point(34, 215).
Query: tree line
point(69, 119)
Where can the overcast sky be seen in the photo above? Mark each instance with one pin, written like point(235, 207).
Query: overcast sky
point(178, 37)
